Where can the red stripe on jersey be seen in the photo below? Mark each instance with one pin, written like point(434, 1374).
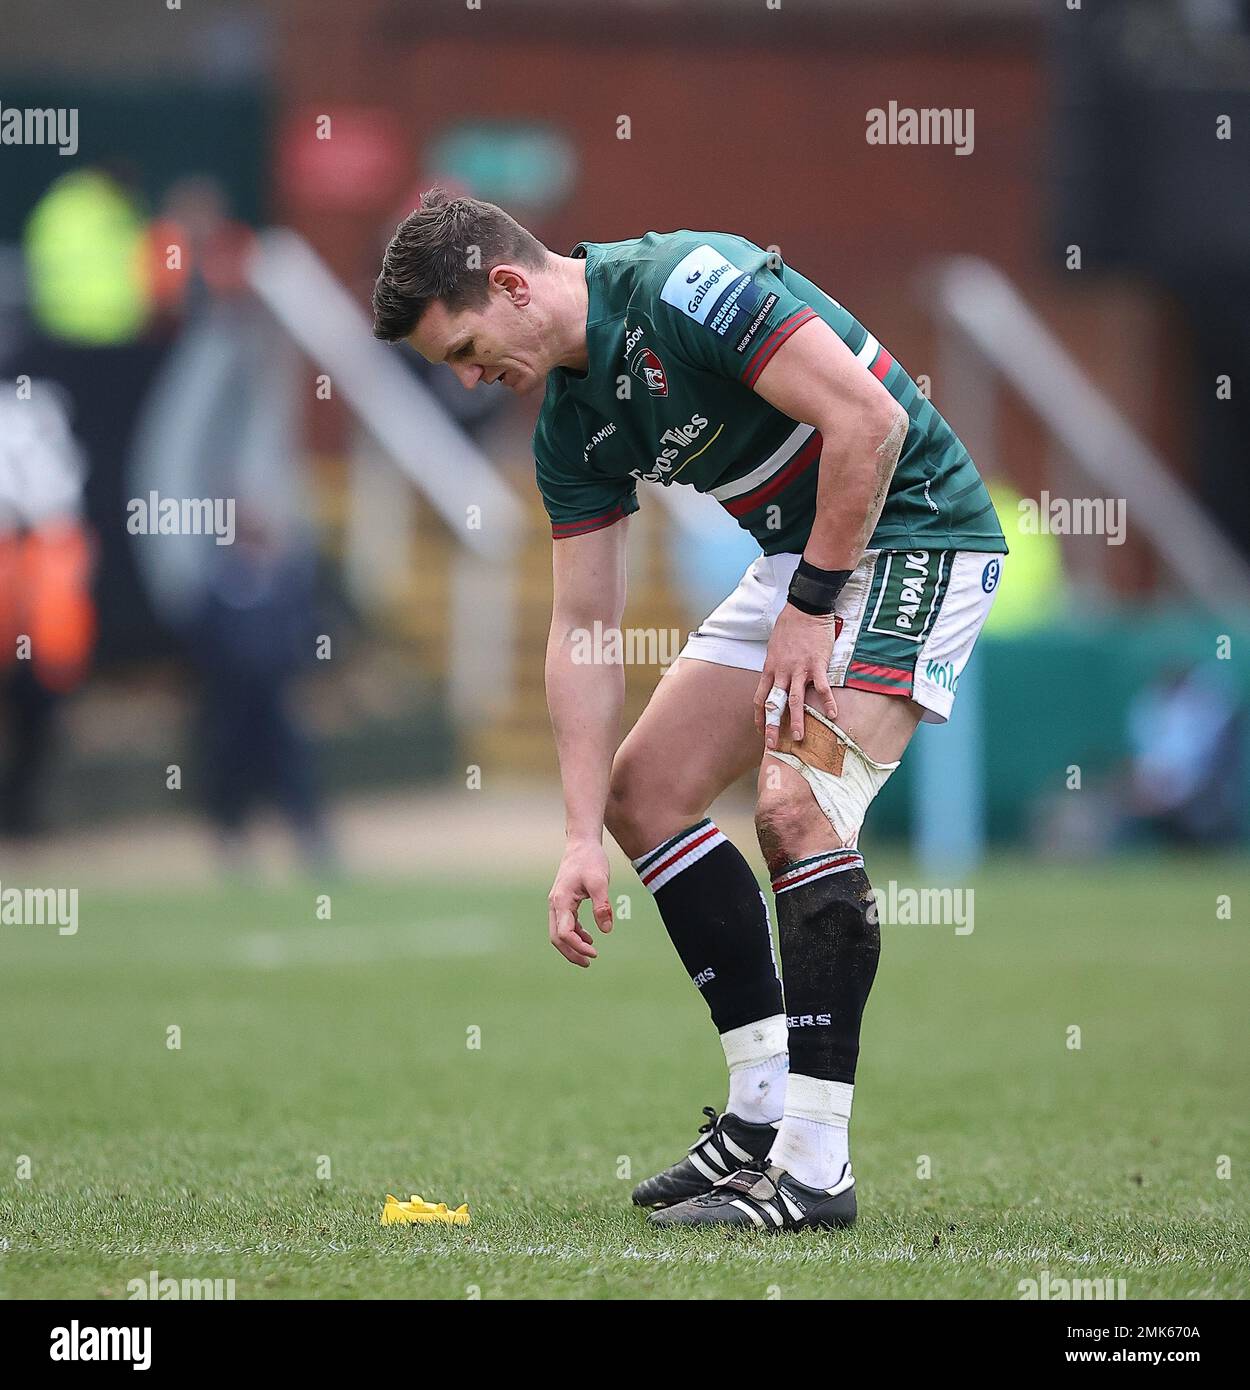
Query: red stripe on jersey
point(562, 530)
point(882, 365)
point(853, 683)
point(764, 353)
point(867, 668)
point(800, 463)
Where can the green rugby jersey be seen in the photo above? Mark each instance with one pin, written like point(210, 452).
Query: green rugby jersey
point(679, 328)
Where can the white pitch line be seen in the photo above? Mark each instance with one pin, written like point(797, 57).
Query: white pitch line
point(323, 944)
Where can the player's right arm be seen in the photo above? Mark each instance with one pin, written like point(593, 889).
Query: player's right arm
point(585, 699)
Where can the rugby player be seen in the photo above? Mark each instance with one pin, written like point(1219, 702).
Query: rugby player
point(696, 358)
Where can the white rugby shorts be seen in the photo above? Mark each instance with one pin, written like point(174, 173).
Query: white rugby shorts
point(906, 621)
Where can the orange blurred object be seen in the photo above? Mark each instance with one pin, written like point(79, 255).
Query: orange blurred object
point(45, 595)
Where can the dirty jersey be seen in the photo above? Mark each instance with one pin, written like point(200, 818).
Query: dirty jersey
point(680, 326)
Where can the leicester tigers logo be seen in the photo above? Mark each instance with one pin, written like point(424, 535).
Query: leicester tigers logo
point(649, 367)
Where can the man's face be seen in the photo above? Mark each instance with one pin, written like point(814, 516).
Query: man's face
point(496, 341)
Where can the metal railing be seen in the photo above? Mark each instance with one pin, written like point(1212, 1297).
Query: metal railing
point(400, 413)
point(411, 429)
point(992, 336)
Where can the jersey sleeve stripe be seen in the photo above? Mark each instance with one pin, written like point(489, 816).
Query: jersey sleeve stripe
point(562, 530)
point(766, 350)
point(790, 446)
point(874, 357)
point(800, 463)
point(881, 367)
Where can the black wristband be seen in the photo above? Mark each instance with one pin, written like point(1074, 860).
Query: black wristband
point(815, 591)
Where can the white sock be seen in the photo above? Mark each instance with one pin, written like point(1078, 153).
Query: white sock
point(758, 1094)
point(758, 1061)
point(813, 1144)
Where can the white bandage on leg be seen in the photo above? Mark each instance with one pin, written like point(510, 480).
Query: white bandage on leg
point(843, 778)
point(755, 1042)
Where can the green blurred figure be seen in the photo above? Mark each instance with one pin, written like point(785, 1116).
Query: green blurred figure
point(86, 258)
point(1037, 590)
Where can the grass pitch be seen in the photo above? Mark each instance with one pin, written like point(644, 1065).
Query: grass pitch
point(322, 1064)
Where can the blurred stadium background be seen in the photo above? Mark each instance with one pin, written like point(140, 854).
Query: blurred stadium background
point(187, 293)
point(353, 689)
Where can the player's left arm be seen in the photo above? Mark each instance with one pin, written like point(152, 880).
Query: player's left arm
point(813, 377)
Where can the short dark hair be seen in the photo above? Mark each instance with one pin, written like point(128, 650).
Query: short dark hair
point(429, 259)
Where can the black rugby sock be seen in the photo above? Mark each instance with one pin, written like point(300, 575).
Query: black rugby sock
point(830, 945)
point(718, 921)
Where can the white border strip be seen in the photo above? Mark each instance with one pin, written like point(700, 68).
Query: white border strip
point(774, 463)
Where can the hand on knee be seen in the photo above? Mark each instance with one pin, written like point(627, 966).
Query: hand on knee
point(839, 778)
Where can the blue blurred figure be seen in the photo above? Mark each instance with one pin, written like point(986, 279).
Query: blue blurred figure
point(1185, 777)
point(251, 636)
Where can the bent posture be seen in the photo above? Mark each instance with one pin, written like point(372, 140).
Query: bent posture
point(696, 358)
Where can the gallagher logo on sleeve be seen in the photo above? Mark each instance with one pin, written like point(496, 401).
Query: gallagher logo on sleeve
point(647, 366)
point(699, 282)
point(714, 292)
